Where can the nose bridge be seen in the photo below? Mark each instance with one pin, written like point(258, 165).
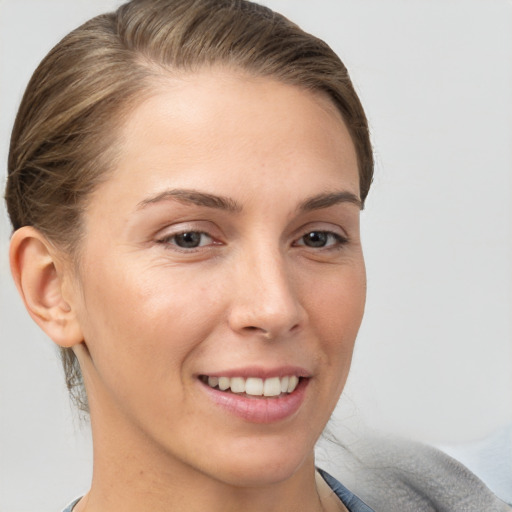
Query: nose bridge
point(266, 300)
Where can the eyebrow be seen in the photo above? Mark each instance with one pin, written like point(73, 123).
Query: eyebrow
point(195, 197)
point(329, 199)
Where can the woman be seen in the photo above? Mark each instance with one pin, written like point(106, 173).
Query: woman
point(185, 182)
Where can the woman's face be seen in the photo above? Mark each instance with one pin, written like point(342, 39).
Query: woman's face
point(223, 250)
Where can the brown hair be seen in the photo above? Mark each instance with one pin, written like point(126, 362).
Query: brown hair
point(63, 140)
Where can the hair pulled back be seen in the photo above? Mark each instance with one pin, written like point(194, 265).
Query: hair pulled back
point(64, 137)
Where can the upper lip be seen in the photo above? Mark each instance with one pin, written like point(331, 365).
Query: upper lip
point(261, 372)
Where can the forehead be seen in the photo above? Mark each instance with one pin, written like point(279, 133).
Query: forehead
point(222, 126)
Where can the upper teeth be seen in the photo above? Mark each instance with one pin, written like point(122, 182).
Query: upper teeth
point(255, 386)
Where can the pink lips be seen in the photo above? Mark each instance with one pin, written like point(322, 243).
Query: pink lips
point(261, 409)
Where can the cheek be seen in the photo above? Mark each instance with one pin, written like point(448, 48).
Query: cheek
point(335, 312)
point(144, 315)
point(143, 330)
point(338, 306)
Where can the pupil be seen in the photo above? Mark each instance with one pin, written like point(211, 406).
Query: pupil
point(188, 240)
point(316, 239)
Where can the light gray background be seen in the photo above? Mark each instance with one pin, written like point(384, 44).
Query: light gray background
point(434, 356)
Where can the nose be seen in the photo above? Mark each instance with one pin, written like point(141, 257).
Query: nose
point(265, 302)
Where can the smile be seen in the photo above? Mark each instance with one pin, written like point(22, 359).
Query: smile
point(254, 386)
point(257, 399)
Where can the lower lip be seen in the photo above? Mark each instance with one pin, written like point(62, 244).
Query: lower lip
point(260, 410)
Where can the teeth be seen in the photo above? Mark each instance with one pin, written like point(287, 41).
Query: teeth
point(254, 386)
point(238, 385)
point(292, 383)
point(272, 387)
point(224, 383)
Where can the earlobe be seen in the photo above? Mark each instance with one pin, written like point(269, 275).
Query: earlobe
point(40, 279)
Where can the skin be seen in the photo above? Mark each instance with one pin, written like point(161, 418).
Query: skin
point(146, 317)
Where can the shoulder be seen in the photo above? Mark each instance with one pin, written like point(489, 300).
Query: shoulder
point(396, 475)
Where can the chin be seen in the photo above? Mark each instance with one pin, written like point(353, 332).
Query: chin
point(257, 466)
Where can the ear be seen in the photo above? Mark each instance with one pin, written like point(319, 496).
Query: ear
point(44, 283)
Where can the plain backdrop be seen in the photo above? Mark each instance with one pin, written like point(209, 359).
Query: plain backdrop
point(434, 356)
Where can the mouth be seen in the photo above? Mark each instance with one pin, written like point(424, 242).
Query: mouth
point(258, 395)
point(273, 387)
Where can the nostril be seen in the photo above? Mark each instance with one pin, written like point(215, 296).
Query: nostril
point(253, 328)
point(259, 330)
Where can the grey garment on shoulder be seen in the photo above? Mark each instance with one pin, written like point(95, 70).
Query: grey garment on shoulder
point(490, 459)
point(402, 476)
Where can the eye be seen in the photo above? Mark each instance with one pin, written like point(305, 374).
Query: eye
point(188, 239)
point(321, 239)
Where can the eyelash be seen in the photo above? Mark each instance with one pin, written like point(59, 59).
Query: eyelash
point(337, 240)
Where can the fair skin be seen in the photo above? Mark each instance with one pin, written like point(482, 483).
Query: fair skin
point(224, 244)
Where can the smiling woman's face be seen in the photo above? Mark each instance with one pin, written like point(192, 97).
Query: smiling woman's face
point(224, 250)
